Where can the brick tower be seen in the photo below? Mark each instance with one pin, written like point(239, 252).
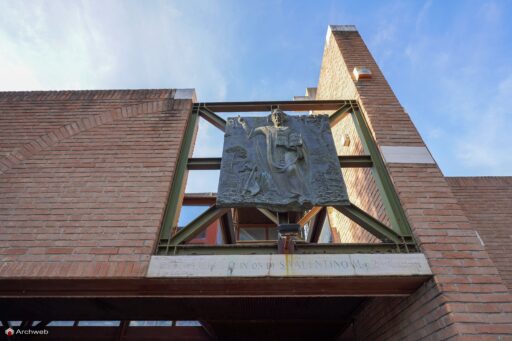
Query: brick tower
point(467, 297)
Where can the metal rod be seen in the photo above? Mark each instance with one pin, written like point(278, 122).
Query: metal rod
point(369, 223)
point(269, 105)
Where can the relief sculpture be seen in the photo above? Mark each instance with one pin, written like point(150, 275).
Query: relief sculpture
point(280, 162)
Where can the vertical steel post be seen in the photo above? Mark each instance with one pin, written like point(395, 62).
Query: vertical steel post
point(179, 179)
point(389, 197)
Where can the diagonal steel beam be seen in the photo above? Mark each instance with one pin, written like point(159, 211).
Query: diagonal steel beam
point(317, 225)
point(338, 115)
point(213, 118)
point(197, 225)
point(369, 223)
point(228, 230)
point(308, 216)
point(269, 215)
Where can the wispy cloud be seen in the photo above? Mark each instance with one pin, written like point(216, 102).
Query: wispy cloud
point(80, 45)
point(449, 62)
point(455, 83)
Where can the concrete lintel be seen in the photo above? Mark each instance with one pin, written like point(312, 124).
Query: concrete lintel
point(405, 154)
point(330, 265)
point(186, 94)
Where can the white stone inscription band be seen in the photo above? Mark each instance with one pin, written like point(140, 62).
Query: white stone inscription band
point(400, 154)
point(289, 265)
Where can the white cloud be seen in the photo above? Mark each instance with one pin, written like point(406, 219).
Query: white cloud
point(114, 44)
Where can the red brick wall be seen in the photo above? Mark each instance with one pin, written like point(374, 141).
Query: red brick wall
point(84, 179)
point(487, 202)
point(466, 296)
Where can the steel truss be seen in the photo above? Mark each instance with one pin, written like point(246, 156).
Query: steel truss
point(395, 238)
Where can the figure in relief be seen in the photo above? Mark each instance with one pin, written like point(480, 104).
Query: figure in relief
point(285, 158)
point(280, 162)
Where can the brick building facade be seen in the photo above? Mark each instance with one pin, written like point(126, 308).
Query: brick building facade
point(85, 178)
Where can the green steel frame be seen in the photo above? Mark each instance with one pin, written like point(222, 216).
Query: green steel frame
point(300, 248)
point(395, 238)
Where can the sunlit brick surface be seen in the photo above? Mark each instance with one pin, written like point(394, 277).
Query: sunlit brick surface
point(487, 202)
point(85, 179)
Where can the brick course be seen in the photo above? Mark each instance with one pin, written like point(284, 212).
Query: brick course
point(84, 180)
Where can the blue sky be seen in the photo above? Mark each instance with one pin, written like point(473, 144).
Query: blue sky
point(449, 62)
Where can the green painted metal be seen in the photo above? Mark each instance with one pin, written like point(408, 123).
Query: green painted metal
point(204, 163)
point(283, 105)
point(389, 196)
point(369, 223)
point(213, 163)
point(300, 248)
point(355, 161)
point(399, 236)
point(178, 182)
point(197, 225)
point(338, 115)
point(213, 118)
